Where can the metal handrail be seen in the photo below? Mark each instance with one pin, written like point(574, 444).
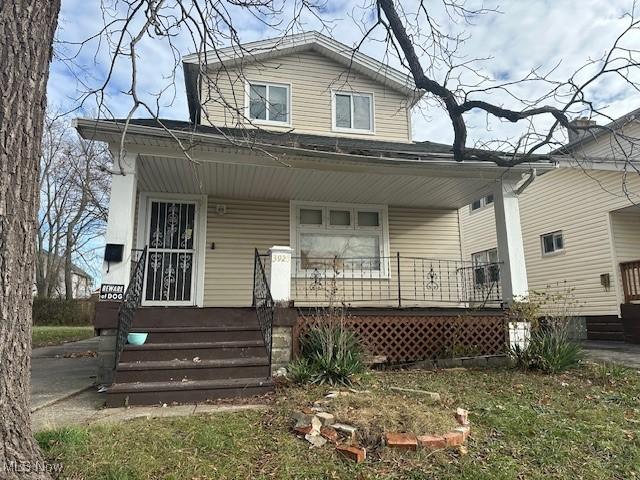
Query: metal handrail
point(264, 304)
point(130, 303)
point(400, 279)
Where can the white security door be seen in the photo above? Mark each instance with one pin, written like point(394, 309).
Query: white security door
point(170, 261)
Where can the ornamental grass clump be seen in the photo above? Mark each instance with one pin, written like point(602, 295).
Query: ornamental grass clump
point(330, 352)
point(550, 347)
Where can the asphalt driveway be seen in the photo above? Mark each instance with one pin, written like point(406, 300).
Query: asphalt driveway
point(61, 371)
point(626, 354)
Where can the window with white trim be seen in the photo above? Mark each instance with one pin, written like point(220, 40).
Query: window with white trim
point(268, 102)
point(485, 267)
point(351, 238)
point(353, 111)
point(552, 242)
point(481, 202)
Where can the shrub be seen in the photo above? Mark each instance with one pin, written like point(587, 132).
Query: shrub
point(551, 351)
point(550, 347)
point(330, 352)
point(58, 311)
point(300, 370)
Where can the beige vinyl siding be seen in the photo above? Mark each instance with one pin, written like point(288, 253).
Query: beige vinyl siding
point(625, 229)
point(246, 225)
point(578, 203)
point(312, 77)
point(478, 230)
point(249, 224)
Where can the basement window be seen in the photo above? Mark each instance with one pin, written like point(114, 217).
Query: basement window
point(552, 243)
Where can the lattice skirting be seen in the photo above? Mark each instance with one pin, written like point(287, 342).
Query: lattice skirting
point(422, 337)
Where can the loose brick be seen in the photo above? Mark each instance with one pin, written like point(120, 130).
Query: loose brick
point(357, 454)
point(431, 442)
point(329, 433)
point(465, 429)
point(462, 416)
point(403, 441)
point(454, 438)
point(303, 429)
point(326, 418)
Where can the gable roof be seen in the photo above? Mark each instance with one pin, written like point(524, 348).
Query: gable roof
point(306, 41)
point(74, 268)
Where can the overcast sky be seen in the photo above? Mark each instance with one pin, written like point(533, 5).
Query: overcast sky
point(525, 35)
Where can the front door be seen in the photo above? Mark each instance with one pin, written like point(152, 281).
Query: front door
point(170, 262)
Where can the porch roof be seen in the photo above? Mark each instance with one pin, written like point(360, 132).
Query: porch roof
point(264, 165)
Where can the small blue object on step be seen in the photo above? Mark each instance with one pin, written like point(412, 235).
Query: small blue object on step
point(137, 338)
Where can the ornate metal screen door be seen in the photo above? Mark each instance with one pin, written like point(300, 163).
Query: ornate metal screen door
point(171, 252)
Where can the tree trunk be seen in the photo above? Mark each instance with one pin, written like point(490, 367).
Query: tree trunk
point(26, 33)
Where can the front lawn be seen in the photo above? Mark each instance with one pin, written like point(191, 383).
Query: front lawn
point(583, 425)
point(45, 336)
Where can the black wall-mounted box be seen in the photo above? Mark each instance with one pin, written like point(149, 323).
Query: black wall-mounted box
point(113, 252)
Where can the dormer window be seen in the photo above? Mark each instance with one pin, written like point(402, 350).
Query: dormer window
point(268, 103)
point(353, 112)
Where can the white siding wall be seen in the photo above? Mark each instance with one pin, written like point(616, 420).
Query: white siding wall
point(312, 77)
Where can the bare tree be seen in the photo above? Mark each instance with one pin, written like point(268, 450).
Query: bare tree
point(73, 205)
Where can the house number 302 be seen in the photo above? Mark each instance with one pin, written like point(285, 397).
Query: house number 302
point(280, 258)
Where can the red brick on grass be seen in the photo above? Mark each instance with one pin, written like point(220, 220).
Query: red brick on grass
point(303, 430)
point(352, 452)
point(329, 433)
point(403, 441)
point(431, 442)
point(454, 438)
point(466, 431)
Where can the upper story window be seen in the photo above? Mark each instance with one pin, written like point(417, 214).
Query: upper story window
point(353, 112)
point(482, 202)
point(350, 239)
point(552, 242)
point(269, 103)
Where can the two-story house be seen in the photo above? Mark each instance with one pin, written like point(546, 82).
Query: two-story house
point(581, 229)
point(295, 183)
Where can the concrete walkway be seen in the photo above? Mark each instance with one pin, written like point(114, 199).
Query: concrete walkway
point(56, 374)
point(626, 354)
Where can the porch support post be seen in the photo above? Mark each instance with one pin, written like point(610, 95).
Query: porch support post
point(120, 222)
point(280, 273)
point(513, 270)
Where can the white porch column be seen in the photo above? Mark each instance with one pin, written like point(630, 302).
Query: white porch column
point(120, 223)
point(280, 276)
point(513, 271)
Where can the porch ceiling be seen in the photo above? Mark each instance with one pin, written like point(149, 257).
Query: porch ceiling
point(278, 182)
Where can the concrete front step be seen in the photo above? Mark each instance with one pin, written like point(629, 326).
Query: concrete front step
point(177, 370)
point(204, 333)
point(157, 393)
point(190, 350)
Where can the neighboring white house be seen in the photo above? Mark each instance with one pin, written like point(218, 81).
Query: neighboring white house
point(301, 179)
point(81, 281)
point(579, 224)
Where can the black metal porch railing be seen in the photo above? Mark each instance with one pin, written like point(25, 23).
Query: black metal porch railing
point(394, 280)
point(263, 302)
point(131, 300)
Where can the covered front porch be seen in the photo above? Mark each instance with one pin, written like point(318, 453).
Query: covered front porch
point(252, 231)
point(376, 227)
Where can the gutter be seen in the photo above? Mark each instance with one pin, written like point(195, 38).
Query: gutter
point(439, 159)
